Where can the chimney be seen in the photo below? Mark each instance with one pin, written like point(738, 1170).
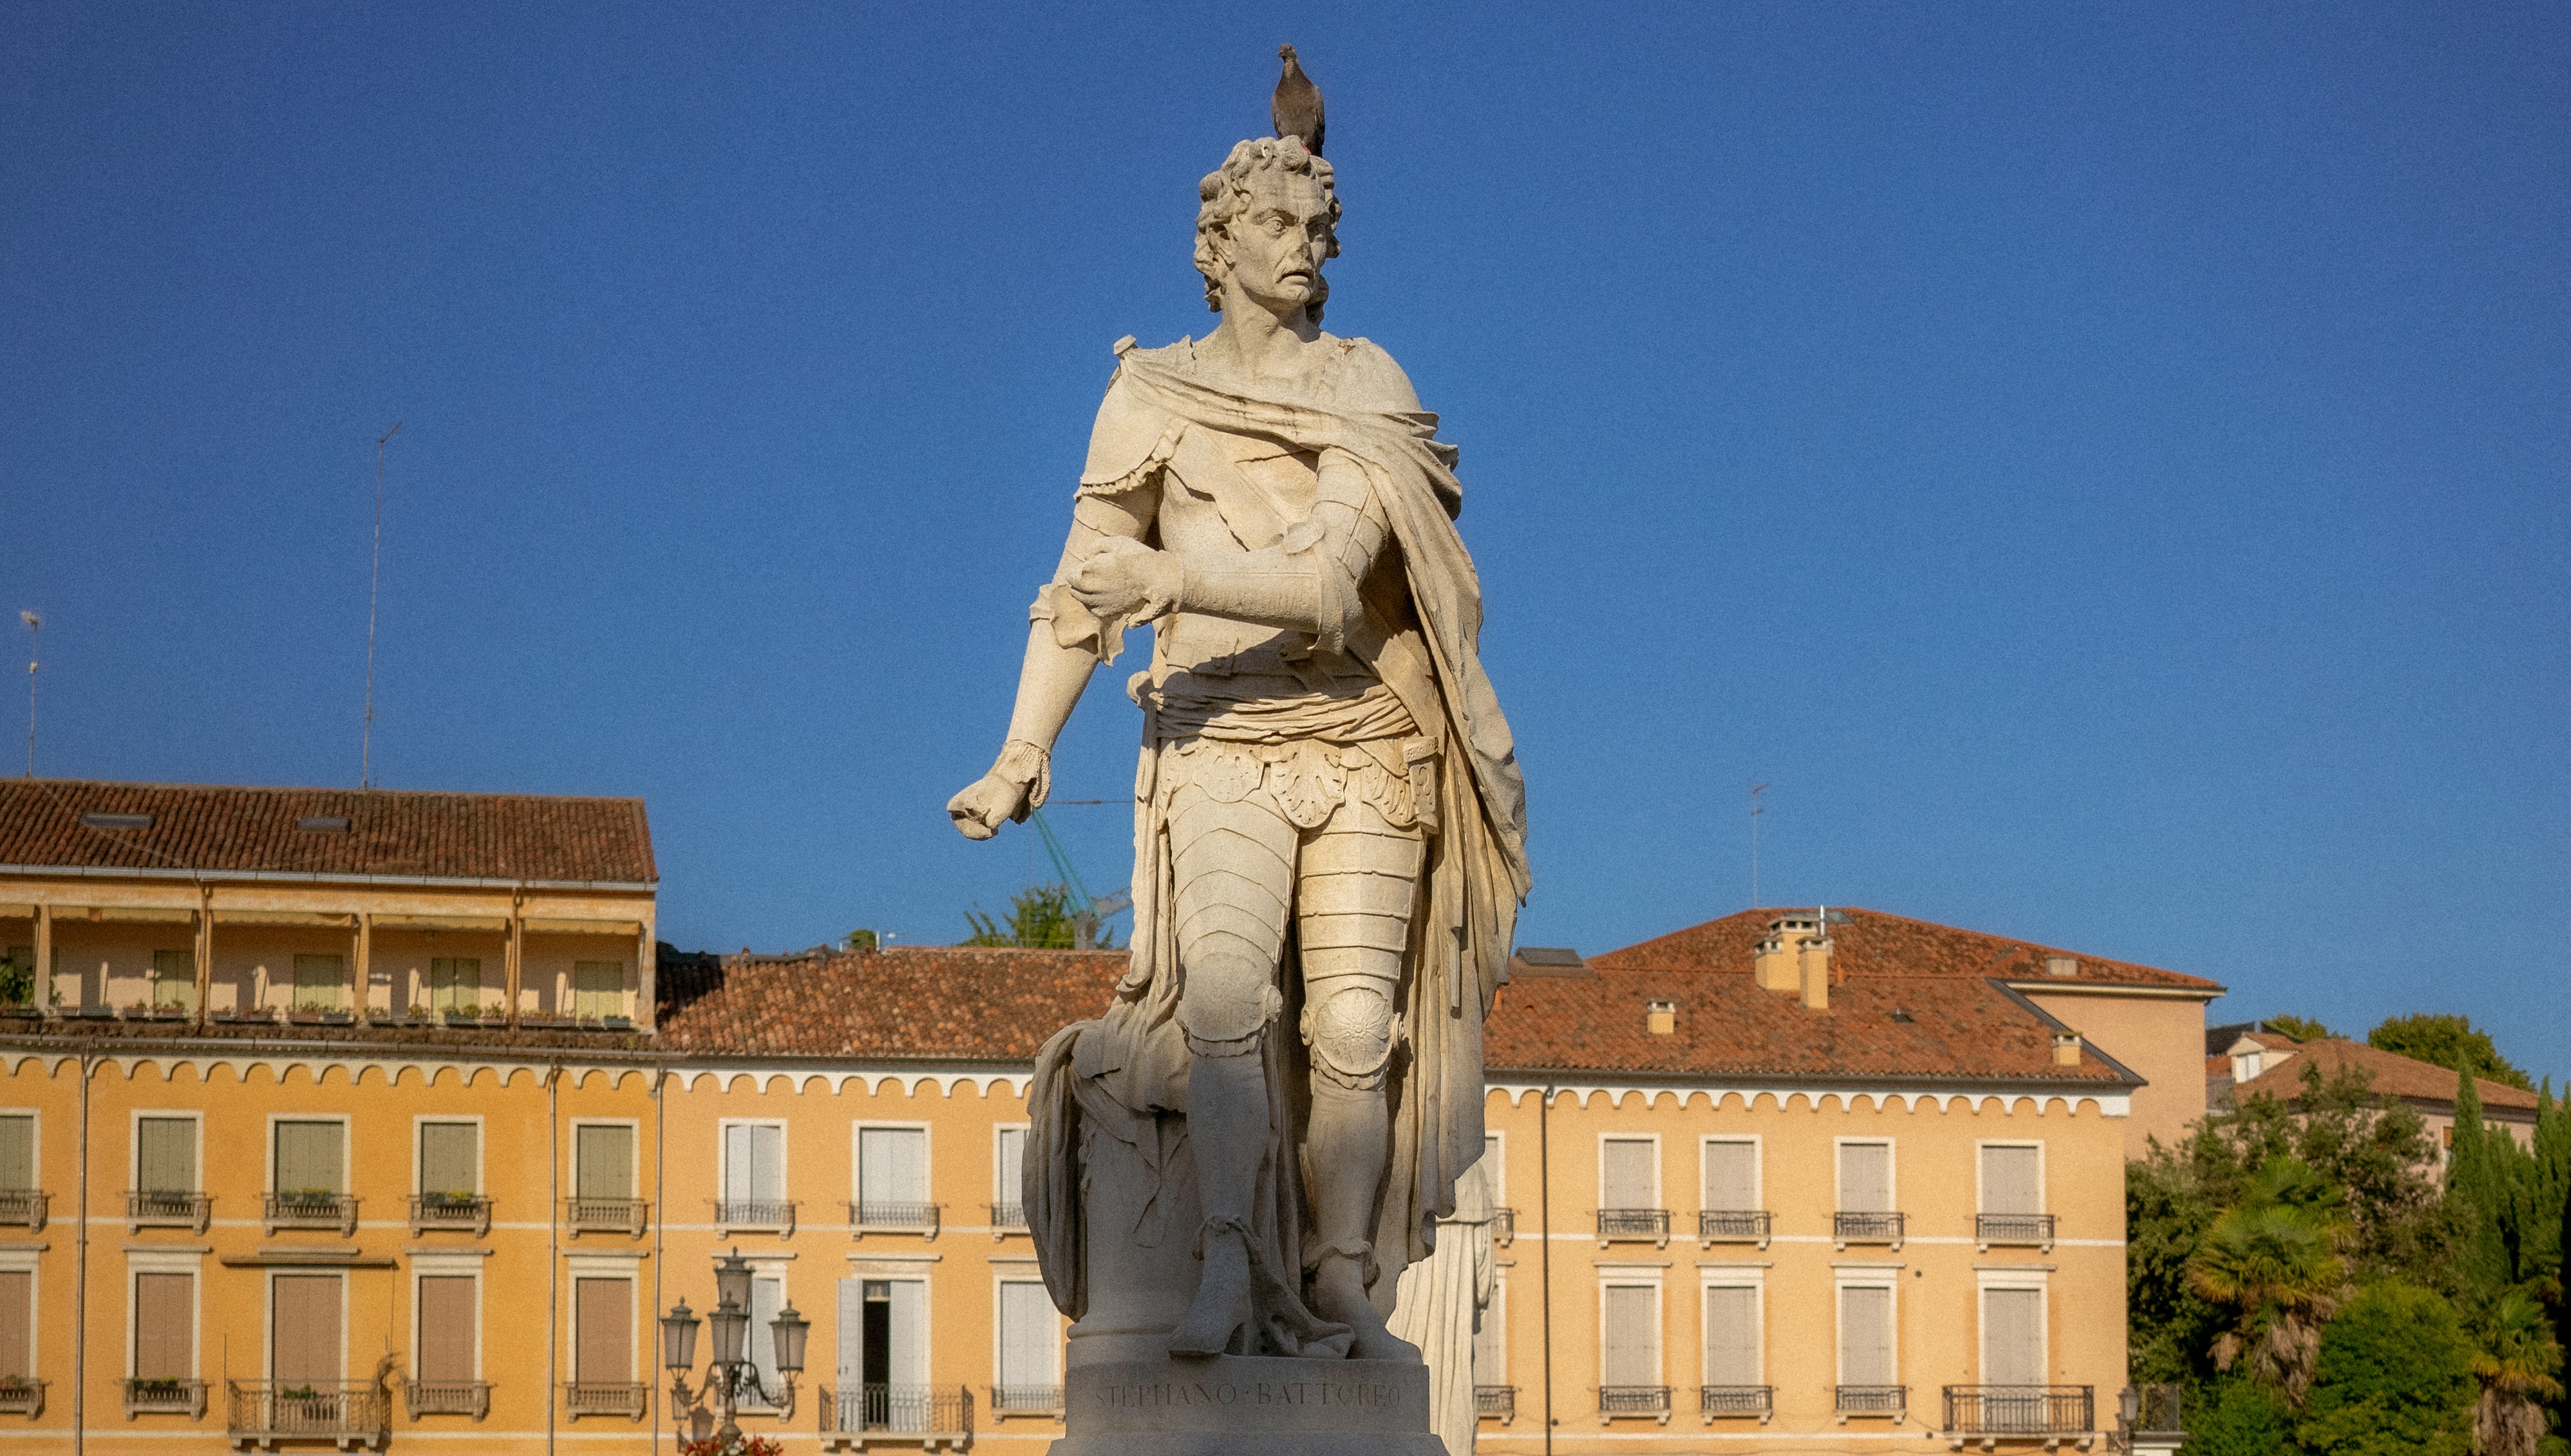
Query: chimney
point(1816, 965)
point(2066, 1049)
point(2061, 965)
point(1777, 964)
point(1661, 1018)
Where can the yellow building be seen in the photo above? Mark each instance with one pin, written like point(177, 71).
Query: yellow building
point(374, 1120)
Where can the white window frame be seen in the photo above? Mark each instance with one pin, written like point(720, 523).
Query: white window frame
point(481, 1149)
point(36, 1142)
point(171, 1261)
point(1753, 1277)
point(1892, 1174)
point(1757, 1168)
point(28, 1261)
point(1001, 1192)
point(629, 1267)
point(1021, 1274)
point(570, 1153)
point(448, 1266)
point(723, 1152)
point(1888, 1277)
point(1614, 1276)
point(1498, 1308)
point(267, 1316)
point(348, 1171)
point(1985, 1280)
point(927, 1158)
point(2043, 1193)
point(1658, 1201)
point(134, 1142)
point(1495, 1159)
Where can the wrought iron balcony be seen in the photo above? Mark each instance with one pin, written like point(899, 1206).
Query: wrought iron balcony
point(1848, 1228)
point(1008, 1217)
point(164, 1397)
point(2034, 1228)
point(455, 1213)
point(1715, 1400)
point(630, 1399)
point(1498, 1402)
point(167, 1209)
point(20, 1395)
point(2020, 1410)
point(1873, 1400)
point(1651, 1223)
point(449, 1397)
point(871, 1215)
point(1734, 1226)
point(312, 1208)
point(933, 1415)
point(754, 1215)
point(22, 1208)
point(265, 1412)
point(1650, 1400)
point(1026, 1400)
point(606, 1216)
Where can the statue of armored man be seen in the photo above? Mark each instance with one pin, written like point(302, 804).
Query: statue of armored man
point(1265, 1125)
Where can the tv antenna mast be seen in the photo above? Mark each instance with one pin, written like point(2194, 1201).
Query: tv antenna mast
point(374, 590)
point(1756, 810)
point(35, 640)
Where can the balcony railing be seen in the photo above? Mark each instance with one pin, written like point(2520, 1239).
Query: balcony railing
point(1026, 1400)
point(22, 1208)
point(1732, 1225)
point(1497, 1403)
point(1848, 1228)
point(869, 1216)
point(1504, 1226)
point(449, 1397)
point(2035, 1229)
point(630, 1399)
point(2022, 1410)
point(1873, 1400)
point(1715, 1400)
point(312, 1208)
point(21, 1396)
point(930, 1415)
point(1616, 1401)
point(454, 1212)
point(267, 1411)
point(754, 1215)
point(605, 1215)
point(167, 1209)
point(1008, 1218)
point(165, 1397)
point(1651, 1223)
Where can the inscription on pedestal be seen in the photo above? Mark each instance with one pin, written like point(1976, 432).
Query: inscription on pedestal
point(1139, 1395)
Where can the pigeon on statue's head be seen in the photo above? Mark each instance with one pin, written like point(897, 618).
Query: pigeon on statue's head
point(1296, 106)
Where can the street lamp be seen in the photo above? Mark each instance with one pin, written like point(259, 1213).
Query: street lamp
point(729, 1373)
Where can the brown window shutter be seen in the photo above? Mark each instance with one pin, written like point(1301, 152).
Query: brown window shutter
point(17, 1291)
point(307, 1321)
point(165, 1319)
point(604, 1311)
point(446, 1328)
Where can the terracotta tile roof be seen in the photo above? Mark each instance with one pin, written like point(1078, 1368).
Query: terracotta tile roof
point(1868, 941)
point(2388, 1071)
point(909, 1003)
point(204, 827)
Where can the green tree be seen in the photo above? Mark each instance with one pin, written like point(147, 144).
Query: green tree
point(2273, 1265)
point(2240, 1417)
point(2450, 1042)
point(1039, 919)
point(2394, 1378)
point(2300, 1028)
point(2519, 1366)
point(862, 940)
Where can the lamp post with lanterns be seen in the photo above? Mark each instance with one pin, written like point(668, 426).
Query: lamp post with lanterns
point(731, 1373)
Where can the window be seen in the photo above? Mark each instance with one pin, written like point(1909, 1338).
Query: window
point(1865, 1178)
point(2012, 1180)
point(1629, 1174)
point(17, 1323)
point(1493, 1170)
point(320, 981)
point(309, 1156)
point(603, 1158)
point(1491, 1337)
point(767, 1296)
point(1732, 1343)
point(447, 1305)
point(597, 989)
point(304, 1329)
point(2013, 1336)
point(603, 1331)
point(1731, 1174)
point(1630, 1351)
point(1028, 1377)
point(1008, 1172)
point(164, 1326)
point(754, 1168)
point(174, 979)
point(893, 1175)
point(18, 1152)
point(450, 1161)
point(455, 984)
point(1866, 1336)
point(884, 1354)
point(165, 1168)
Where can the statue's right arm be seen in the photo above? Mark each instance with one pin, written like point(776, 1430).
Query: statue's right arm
point(1052, 674)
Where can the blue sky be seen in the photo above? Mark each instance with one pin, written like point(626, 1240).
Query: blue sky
point(2105, 465)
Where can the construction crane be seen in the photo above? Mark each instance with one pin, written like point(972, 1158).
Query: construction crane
point(1094, 909)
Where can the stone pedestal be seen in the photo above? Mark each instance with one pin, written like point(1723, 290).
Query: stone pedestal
point(1233, 1405)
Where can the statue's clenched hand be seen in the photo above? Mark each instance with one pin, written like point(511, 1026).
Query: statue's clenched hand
point(984, 803)
point(1125, 578)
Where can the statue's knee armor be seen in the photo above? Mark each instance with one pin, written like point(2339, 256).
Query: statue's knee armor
point(1350, 1025)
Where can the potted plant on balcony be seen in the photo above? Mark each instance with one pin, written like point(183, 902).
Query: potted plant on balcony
point(743, 1445)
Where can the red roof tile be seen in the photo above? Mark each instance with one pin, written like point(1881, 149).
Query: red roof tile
point(926, 1003)
point(1869, 941)
point(209, 828)
point(2386, 1072)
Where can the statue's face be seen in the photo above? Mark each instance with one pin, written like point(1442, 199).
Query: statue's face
point(1275, 246)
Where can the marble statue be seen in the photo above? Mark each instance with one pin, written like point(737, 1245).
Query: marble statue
point(1239, 1156)
point(1444, 1299)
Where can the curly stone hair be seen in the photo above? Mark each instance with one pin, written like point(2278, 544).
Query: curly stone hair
point(1224, 194)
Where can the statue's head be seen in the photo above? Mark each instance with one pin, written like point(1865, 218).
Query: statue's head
point(1269, 211)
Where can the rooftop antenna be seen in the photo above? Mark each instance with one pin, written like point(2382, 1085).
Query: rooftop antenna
point(35, 638)
point(1755, 811)
point(374, 590)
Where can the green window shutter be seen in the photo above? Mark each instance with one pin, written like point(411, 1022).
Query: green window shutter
point(309, 1156)
point(605, 1162)
point(174, 978)
point(319, 980)
point(17, 1153)
point(597, 988)
point(455, 984)
point(165, 1158)
point(446, 1157)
